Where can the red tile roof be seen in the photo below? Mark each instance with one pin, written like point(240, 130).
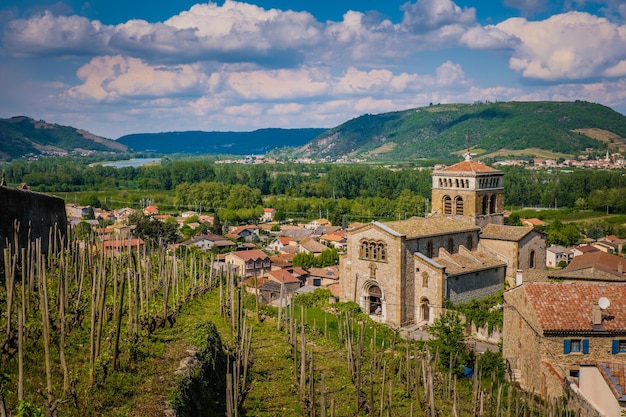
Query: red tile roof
point(600, 265)
point(615, 376)
point(248, 255)
point(568, 307)
point(469, 166)
point(282, 276)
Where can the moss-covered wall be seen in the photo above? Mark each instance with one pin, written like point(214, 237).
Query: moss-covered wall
point(37, 214)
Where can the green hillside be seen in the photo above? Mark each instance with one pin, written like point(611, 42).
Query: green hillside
point(566, 128)
point(22, 135)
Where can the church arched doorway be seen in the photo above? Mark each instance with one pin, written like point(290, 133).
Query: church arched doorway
point(425, 310)
point(373, 300)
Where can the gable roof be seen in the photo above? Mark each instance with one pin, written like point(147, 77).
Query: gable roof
point(429, 226)
point(597, 265)
point(615, 376)
point(469, 166)
point(503, 232)
point(313, 245)
point(282, 276)
point(329, 272)
point(568, 307)
point(247, 255)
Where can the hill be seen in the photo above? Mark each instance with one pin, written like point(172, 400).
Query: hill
point(502, 128)
point(237, 143)
point(21, 135)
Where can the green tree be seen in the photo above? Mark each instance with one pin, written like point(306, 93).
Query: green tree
point(304, 260)
point(448, 338)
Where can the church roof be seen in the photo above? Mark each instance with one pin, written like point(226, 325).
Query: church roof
point(469, 166)
point(431, 226)
point(465, 261)
point(503, 232)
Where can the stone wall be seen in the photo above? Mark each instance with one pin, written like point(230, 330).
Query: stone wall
point(475, 285)
point(37, 215)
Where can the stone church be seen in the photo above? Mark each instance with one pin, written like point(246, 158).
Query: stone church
point(402, 272)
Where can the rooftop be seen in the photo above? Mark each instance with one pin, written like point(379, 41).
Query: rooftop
point(568, 307)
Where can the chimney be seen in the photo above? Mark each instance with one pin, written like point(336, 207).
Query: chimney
point(518, 277)
point(597, 314)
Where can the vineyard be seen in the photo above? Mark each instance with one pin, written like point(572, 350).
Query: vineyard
point(130, 332)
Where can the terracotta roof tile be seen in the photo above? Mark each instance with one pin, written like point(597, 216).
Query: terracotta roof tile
point(595, 265)
point(569, 306)
point(247, 255)
point(469, 166)
point(615, 376)
point(282, 276)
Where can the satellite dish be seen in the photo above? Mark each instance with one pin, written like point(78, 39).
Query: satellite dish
point(604, 303)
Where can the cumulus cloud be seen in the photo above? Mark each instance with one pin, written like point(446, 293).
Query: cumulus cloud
point(112, 78)
point(561, 47)
point(527, 7)
point(427, 15)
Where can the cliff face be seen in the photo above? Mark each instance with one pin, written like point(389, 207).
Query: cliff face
point(35, 214)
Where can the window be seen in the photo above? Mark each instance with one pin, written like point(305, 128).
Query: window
point(429, 249)
point(485, 205)
point(531, 259)
point(458, 206)
point(425, 279)
point(470, 242)
point(373, 250)
point(576, 346)
point(619, 346)
point(447, 205)
point(317, 282)
point(450, 245)
point(492, 204)
point(574, 373)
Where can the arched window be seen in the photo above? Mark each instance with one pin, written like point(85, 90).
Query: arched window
point(447, 205)
point(366, 250)
point(429, 249)
point(458, 205)
point(450, 245)
point(425, 279)
point(382, 254)
point(492, 204)
point(485, 205)
point(470, 242)
point(531, 259)
point(374, 249)
point(425, 308)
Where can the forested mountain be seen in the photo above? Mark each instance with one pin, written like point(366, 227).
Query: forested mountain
point(236, 143)
point(502, 128)
point(22, 135)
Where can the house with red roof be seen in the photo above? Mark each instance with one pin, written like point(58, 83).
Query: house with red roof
point(246, 232)
point(121, 245)
point(568, 337)
point(268, 215)
point(151, 210)
point(593, 266)
point(249, 263)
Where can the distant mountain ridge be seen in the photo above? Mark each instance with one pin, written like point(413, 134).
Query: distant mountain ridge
point(21, 135)
point(235, 143)
point(490, 129)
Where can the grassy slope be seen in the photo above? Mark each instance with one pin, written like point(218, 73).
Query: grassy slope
point(437, 131)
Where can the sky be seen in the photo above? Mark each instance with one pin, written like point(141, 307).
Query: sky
point(115, 68)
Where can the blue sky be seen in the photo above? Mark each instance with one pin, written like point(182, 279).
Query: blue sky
point(114, 68)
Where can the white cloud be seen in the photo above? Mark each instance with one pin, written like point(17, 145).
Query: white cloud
point(427, 15)
point(278, 84)
point(561, 47)
point(111, 78)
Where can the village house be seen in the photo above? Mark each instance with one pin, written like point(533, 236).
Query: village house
point(268, 215)
point(248, 263)
point(335, 239)
point(209, 241)
point(582, 249)
point(556, 254)
point(595, 266)
point(246, 232)
point(568, 336)
point(151, 210)
point(403, 272)
point(123, 245)
point(310, 245)
point(314, 224)
point(323, 277)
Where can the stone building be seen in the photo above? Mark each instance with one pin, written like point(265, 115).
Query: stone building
point(403, 272)
point(557, 334)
